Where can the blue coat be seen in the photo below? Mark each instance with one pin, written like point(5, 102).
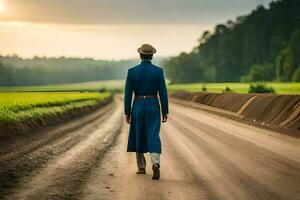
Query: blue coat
point(145, 79)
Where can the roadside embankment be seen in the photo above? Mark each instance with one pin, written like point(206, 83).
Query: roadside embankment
point(21, 128)
point(280, 112)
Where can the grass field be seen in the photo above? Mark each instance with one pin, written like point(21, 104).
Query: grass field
point(84, 86)
point(18, 106)
point(280, 88)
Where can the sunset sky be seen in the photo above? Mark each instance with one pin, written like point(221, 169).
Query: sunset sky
point(110, 29)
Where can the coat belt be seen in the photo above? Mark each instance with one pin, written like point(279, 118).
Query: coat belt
point(145, 96)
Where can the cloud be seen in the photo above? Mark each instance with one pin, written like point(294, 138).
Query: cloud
point(128, 11)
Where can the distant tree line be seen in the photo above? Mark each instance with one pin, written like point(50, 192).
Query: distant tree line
point(15, 71)
point(262, 46)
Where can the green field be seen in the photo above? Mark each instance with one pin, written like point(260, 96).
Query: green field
point(280, 88)
point(84, 86)
point(19, 106)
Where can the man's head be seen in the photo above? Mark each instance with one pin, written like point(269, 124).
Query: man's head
point(146, 51)
point(146, 57)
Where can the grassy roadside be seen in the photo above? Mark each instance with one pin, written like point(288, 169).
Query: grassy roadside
point(280, 88)
point(22, 106)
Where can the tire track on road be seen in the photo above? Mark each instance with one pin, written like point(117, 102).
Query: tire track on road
point(28, 156)
point(63, 176)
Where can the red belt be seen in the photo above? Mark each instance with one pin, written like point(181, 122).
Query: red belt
point(145, 96)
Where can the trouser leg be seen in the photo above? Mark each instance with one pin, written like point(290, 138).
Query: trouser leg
point(155, 158)
point(140, 160)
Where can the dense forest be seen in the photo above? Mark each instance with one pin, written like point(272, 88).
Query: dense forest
point(16, 71)
point(262, 46)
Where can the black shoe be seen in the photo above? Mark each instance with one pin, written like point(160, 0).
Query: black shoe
point(141, 171)
point(156, 172)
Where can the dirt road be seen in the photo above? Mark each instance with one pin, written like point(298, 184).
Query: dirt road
point(204, 157)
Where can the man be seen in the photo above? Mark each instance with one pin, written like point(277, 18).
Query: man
point(146, 81)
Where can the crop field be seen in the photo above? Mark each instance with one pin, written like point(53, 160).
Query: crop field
point(280, 88)
point(18, 106)
point(84, 86)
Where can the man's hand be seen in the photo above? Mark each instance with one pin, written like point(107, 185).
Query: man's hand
point(128, 119)
point(164, 118)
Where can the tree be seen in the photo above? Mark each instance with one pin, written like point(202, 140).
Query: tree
point(296, 75)
point(288, 59)
point(268, 38)
point(40, 70)
point(184, 68)
point(259, 73)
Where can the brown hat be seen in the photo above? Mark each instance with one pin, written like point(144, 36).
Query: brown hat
point(146, 49)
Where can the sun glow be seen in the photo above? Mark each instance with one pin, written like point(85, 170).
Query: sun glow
point(2, 6)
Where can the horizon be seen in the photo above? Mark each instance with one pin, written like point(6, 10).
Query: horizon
point(73, 57)
point(83, 30)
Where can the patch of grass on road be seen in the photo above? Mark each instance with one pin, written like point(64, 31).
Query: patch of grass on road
point(19, 106)
point(280, 88)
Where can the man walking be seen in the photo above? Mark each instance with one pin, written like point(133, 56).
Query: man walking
point(146, 81)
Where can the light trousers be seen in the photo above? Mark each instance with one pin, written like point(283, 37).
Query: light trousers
point(141, 161)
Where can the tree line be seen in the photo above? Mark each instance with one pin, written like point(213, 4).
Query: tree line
point(16, 71)
point(261, 46)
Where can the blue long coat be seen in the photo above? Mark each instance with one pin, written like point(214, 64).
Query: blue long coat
point(145, 79)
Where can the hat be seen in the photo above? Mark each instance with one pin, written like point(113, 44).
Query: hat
point(146, 49)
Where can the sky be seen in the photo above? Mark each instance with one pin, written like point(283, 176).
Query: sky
point(110, 29)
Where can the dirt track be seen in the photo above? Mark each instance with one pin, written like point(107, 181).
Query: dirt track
point(204, 157)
